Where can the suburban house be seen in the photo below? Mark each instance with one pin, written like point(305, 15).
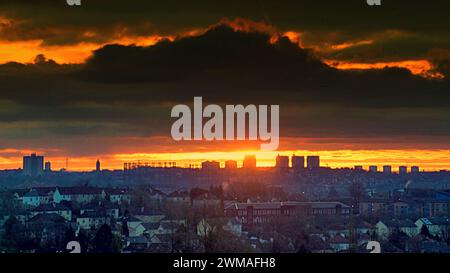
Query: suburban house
point(105, 207)
point(150, 228)
point(437, 205)
point(232, 225)
point(156, 195)
point(116, 195)
point(386, 227)
point(80, 195)
point(167, 227)
point(373, 206)
point(180, 197)
point(162, 242)
point(206, 200)
point(55, 208)
point(37, 196)
point(91, 219)
point(149, 216)
point(47, 227)
point(437, 226)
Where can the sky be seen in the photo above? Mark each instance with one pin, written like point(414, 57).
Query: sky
point(356, 84)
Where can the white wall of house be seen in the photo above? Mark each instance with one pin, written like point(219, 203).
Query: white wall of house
point(31, 201)
point(435, 230)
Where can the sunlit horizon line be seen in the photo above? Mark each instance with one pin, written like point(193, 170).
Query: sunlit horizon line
point(427, 160)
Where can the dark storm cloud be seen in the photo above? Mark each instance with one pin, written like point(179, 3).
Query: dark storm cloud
point(224, 62)
point(221, 64)
point(129, 90)
point(321, 21)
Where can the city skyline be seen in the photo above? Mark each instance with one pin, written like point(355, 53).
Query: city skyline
point(350, 90)
point(263, 159)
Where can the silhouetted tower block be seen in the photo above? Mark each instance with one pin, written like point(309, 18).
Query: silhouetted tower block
point(313, 162)
point(97, 166)
point(33, 165)
point(48, 166)
point(402, 170)
point(298, 162)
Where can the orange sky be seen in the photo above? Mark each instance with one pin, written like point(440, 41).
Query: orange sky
point(25, 51)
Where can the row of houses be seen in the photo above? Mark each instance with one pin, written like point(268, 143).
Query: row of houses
point(437, 227)
point(45, 195)
point(340, 236)
point(254, 213)
point(437, 205)
point(86, 216)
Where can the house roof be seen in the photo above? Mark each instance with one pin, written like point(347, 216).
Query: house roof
point(146, 212)
point(44, 191)
point(51, 207)
point(36, 192)
point(93, 214)
point(48, 217)
point(441, 221)
point(153, 191)
point(21, 192)
point(151, 226)
point(169, 225)
point(116, 191)
point(32, 193)
point(133, 219)
point(79, 190)
point(99, 204)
